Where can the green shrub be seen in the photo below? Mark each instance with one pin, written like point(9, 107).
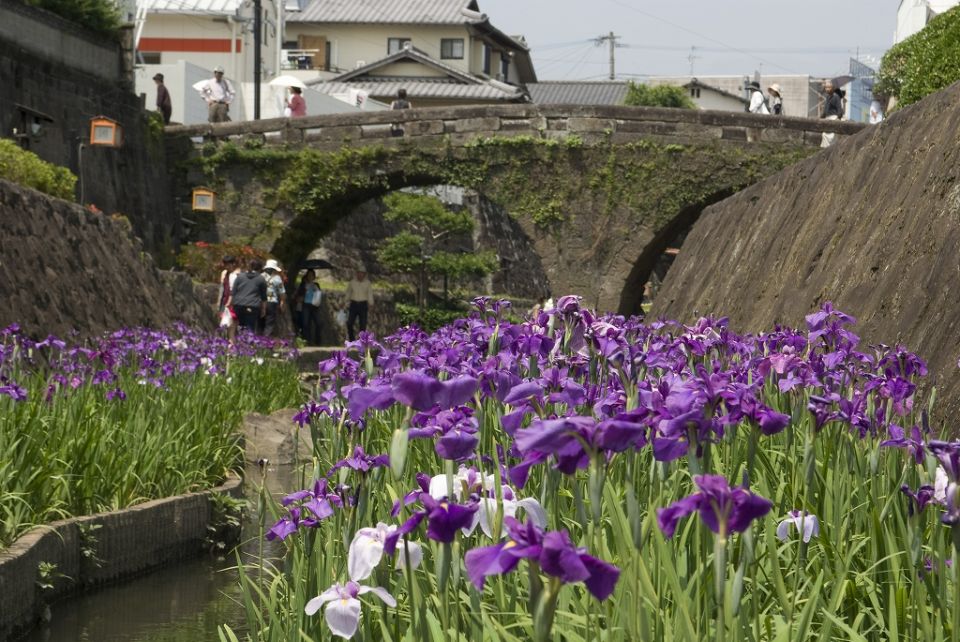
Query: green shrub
point(25, 168)
point(430, 320)
point(924, 63)
point(201, 260)
point(641, 95)
point(99, 16)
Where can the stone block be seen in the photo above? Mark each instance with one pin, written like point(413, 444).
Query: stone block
point(484, 124)
point(424, 128)
point(528, 125)
point(792, 136)
point(697, 131)
point(591, 124)
point(375, 131)
point(340, 133)
point(735, 133)
point(646, 127)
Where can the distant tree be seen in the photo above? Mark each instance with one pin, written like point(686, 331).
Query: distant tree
point(641, 95)
point(924, 63)
point(100, 16)
point(428, 224)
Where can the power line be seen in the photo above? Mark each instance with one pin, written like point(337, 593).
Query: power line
point(611, 40)
point(699, 35)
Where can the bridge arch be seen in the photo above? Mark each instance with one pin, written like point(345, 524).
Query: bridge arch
point(599, 192)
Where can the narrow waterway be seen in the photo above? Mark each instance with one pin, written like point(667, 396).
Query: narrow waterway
point(182, 603)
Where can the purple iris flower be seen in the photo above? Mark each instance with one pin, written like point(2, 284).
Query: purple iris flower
point(359, 400)
point(949, 455)
point(361, 461)
point(15, 392)
point(552, 551)
point(722, 509)
point(919, 499)
point(912, 444)
point(319, 501)
point(457, 444)
point(770, 421)
point(444, 519)
point(422, 392)
point(563, 438)
point(290, 524)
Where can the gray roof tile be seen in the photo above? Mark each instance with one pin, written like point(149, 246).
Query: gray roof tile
point(421, 88)
point(578, 92)
point(386, 11)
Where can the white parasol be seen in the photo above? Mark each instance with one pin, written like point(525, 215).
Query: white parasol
point(287, 81)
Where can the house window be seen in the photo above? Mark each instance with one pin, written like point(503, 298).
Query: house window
point(150, 57)
point(396, 45)
point(451, 48)
point(504, 67)
point(694, 92)
point(487, 54)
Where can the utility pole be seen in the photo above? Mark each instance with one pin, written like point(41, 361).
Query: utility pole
point(692, 58)
point(611, 40)
point(257, 62)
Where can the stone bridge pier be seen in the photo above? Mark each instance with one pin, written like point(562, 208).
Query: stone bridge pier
point(599, 193)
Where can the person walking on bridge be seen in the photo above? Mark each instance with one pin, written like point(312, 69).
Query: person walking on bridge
point(758, 104)
point(164, 106)
point(832, 110)
point(776, 100)
point(396, 129)
point(218, 94)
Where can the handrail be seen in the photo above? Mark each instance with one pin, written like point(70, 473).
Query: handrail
point(616, 114)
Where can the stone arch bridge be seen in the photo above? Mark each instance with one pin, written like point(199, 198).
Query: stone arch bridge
point(599, 192)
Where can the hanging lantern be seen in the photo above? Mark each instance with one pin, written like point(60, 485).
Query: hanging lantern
point(203, 199)
point(105, 132)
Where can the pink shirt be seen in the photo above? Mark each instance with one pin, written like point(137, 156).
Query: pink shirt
point(298, 106)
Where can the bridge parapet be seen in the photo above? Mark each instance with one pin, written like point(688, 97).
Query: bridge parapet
point(620, 124)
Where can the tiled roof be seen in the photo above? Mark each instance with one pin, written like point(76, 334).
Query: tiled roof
point(411, 54)
point(697, 83)
point(219, 7)
point(422, 88)
point(578, 92)
point(444, 12)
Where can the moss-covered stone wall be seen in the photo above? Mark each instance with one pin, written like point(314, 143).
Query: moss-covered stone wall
point(597, 214)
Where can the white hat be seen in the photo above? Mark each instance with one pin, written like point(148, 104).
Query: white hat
point(272, 265)
point(218, 69)
point(775, 87)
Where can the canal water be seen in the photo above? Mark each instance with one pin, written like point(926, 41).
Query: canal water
point(186, 602)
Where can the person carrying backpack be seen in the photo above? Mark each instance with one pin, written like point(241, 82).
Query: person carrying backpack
point(758, 104)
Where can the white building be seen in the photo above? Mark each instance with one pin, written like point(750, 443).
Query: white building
point(442, 52)
point(913, 15)
point(800, 93)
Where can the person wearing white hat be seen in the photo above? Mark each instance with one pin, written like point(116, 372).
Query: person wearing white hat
point(776, 100)
point(276, 297)
point(218, 94)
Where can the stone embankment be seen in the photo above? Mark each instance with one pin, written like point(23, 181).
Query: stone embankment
point(55, 560)
point(64, 268)
point(872, 224)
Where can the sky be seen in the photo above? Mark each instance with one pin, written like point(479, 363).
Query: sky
point(816, 37)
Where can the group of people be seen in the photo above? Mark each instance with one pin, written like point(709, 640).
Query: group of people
point(834, 105)
point(218, 94)
point(256, 299)
point(760, 104)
